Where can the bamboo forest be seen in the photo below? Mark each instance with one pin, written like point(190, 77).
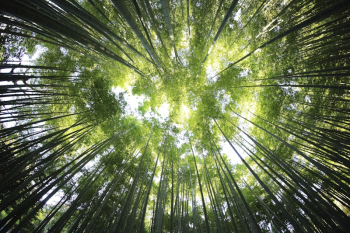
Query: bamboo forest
point(175, 116)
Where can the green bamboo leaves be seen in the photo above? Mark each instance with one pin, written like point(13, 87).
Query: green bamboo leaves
point(256, 138)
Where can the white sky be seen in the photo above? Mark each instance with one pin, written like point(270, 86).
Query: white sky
point(134, 101)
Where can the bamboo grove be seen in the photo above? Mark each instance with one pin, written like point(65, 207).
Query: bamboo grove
point(267, 78)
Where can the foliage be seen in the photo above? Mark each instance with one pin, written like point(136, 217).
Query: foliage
point(266, 79)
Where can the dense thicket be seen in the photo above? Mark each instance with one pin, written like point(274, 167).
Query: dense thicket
point(269, 78)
